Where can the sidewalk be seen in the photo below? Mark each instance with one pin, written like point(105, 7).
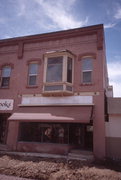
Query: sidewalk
point(4, 177)
point(77, 155)
point(36, 155)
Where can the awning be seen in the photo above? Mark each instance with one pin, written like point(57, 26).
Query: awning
point(70, 114)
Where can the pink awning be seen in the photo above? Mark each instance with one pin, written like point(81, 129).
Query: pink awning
point(70, 114)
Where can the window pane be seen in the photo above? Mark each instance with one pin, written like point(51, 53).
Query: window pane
point(56, 133)
point(32, 80)
point(61, 133)
point(33, 68)
point(30, 132)
point(87, 77)
point(54, 69)
point(5, 81)
point(87, 64)
point(55, 60)
point(54, 88)
point(6, 72)
point(68, 88)
point(43, 132)
point(69, 70)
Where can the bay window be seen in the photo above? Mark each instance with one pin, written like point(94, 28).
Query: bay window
point(58, 73)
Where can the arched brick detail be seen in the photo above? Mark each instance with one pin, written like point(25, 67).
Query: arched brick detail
point(88, 54)
point(7, 64)
point(37, 60)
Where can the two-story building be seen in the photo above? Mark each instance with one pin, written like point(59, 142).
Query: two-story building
point(52, 92)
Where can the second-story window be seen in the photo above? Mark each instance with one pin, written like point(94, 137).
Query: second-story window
point(58, 73)
point(87, 70)
point(69, 70)
point(54, 69)
point(5, 77)
point(32, 74)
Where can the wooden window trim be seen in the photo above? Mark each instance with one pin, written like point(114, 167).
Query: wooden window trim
point(64, 68)
point(90, 70)
point(28, 76)
point(1, 78)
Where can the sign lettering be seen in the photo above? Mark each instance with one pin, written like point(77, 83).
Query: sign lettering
point(6, 104)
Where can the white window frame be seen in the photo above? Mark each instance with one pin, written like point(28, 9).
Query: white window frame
point(89, 70)
point(2, 77)
point(64, 82)
point(30, 75)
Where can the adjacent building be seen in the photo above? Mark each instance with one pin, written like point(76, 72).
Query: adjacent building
point(53, 91)
point(113, 129)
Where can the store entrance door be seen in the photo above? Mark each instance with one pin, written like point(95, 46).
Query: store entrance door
point(3, 127)
point(81, 135)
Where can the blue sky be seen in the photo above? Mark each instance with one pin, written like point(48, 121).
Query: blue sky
point(27, 17)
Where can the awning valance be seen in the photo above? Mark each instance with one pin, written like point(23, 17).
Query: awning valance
point(70, 114)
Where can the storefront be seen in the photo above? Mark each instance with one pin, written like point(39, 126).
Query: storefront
point(3, 127)
point(6, 106)
point(54, 130)
point(79, 135)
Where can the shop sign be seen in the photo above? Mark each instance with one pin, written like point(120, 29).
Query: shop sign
point(6, 104)
point(75, 100)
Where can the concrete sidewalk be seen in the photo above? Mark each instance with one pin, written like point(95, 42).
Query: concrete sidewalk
point(4, 177)
point(30, 154)
point(78, 155)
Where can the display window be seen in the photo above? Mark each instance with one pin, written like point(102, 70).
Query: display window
point(58, 133)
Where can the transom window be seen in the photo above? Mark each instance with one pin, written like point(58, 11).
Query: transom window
point(58, 76)
point(5, 77)
point(32, 74)
point(87, 68)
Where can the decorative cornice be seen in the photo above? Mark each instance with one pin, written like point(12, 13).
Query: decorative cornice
point(97, 29)
point(90, 30)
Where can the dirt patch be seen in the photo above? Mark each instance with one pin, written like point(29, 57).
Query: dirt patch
point(57, 169)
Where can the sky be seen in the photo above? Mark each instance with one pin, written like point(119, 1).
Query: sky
point(29, 17)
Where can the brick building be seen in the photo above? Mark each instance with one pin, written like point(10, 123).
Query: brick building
point(53, 92)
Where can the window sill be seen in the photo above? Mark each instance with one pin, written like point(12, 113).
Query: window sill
point(31, 86)
point(4, 87)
